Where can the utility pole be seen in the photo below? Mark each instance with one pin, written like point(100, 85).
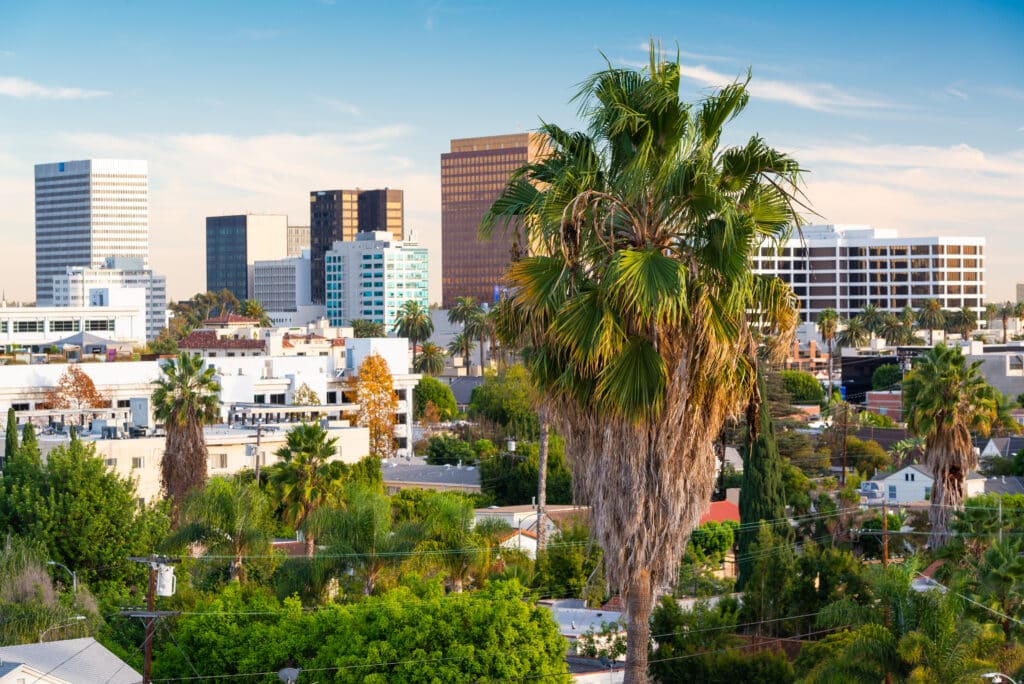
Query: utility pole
point(1000, 520)
point(885, 564)
point(150, 615)
point(846, 424)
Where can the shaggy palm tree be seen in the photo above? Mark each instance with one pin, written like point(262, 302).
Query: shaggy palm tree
point(229, 519)
point(854, 334)
point(415, 323)
point(991, 313)
point(306, 478)
point(895, 332)
point(184, 400)
point(462, 345)
point(930, 317)
point(637, 300)
point(946, 400)
point(430, 360)
point(481, 326)
point(828, 319)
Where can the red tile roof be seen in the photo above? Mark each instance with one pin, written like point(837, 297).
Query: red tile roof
point(720, 511)
point(231, 319)
point(207, 339)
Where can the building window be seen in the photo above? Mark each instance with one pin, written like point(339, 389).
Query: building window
point(218, 461)
point(137, 462)
point(927, 493)
point(259, 398)
point(277, 399)
point(99, 326)
point(28, 326)
point(892, 491)
point(110, 462)
point(332, 397)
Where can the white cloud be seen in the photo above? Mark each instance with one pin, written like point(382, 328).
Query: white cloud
point(197, 175)
point(12, 86)
point(958, 94)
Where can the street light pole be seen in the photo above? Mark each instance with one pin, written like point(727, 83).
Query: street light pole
point(77, 618)
point(74, 577)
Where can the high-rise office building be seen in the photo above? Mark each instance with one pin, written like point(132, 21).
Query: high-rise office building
point(341, 215)
point(73, 287)
point(473, 174)
point(848, 267)
point(372, 276)
point(298, 240)
point(233, 243)
point(87, 211)
point(282, 284)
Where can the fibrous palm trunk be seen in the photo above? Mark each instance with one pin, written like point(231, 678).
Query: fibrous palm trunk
point(183, 467)
point(951, 457)
point(542, 479)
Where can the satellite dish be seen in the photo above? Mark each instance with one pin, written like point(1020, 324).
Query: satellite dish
point(289, 674)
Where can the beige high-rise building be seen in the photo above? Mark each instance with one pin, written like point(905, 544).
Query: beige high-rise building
point(298, 240)
point(473, 174)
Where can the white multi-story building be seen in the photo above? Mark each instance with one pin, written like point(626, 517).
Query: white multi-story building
point(372, 276)
point(87, 211)
point(73, 287)
point(848, 267)
point(119, 316)
point(282, 285)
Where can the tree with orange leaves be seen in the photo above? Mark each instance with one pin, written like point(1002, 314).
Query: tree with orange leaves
point(75, 390)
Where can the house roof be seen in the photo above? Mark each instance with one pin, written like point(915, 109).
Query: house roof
point(411, 473)
point(231, 319)
point(207, 339)
point(1004, 485)
point(462, 388)
point(720, 511)
point(914, 466)
point(1007, 446)
point(77, 661)
point(517, 532)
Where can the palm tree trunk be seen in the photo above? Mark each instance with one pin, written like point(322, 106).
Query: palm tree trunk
point(413, 353)
point(310, 545)
point(481, 354)
point(542, 479)
point(947, 496)
point(639, 602)
point(1006, 323)
point(828, 402)
point(236, 567)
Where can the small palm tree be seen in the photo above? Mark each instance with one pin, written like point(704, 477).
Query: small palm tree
point(253, 309)
point(415, 323)
point(872, 318)
point(946, 400)
point(1007, 310)
point(185, 399)
point(307, 477)
point(930, 317)
point(431, 360)
point(453, 547)
point(462, 345)
point(229, 519)
point(464, 310)
point(828, 320)
point(854, 334)
point(991, 313)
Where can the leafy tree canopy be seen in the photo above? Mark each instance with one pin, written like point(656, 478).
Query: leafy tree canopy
point(505, 399)
point(433, 390)
point(887, 377)
point(364, 328)
point(803, 387)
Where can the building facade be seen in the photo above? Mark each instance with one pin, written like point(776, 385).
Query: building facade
point(233, 243)
point(282, 284)
point(86, 211)
point(341, 215)
point(298, 240)
point(848, 267)
point(372, 277)
point(37, 327)
point(73, 287)
point(473, 174)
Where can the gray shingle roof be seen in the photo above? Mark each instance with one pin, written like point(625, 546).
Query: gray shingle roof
point(78, 661)
point(431, 474)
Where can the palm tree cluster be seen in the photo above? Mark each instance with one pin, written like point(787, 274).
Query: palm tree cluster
point(413, 322)
point(634, 309)
point(897, 329)
point(477, 326)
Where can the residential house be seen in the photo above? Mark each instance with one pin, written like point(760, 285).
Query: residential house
point(70, 661)
point(399, 475)
point(911, 484)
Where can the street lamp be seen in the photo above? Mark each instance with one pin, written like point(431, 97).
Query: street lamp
point(998, 677)
point(77, 618)
point(74, 577)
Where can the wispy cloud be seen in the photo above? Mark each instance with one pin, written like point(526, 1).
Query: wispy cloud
point(6, 53)
point(339, 106)
point(12, 86)
point(958, 94)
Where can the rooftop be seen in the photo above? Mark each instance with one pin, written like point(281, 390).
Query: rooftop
point(411, 473)
point(78, 661)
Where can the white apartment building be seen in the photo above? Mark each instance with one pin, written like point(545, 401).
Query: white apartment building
point(122, 319)
point(846, 267)
point(87, 211)
point(73, 287)
point(282, 286)
point(372, 276)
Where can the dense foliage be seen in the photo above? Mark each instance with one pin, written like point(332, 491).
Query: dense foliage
point(512, 479)
point(432, 390)
point(802, 387)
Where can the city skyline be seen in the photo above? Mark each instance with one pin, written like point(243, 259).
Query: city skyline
point(920, 131)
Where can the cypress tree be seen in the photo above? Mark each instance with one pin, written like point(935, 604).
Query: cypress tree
point(762, 493)
point(11, 436)
point(29, 443)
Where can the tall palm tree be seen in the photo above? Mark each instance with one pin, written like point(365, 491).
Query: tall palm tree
point(872, 317)
point(185, 398)
point(480, 326)
point(1007, 310)
point(991, 313)
point(1018, 314)
point(639, 301)
point(946, 400)
point(430, 360)
point(468, 312)
point(895, 332)
point(228, 518)
point(930, 317)
point(307, 477)
point(462, 345)
point(828, 320)
point(415, 323)
point(854, 334)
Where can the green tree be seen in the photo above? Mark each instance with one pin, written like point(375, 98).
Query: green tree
point(413, 322)
point(83, 514)
point(887, 377)
point(307, 477)
point(228, 518)
point(866, 456)
point(450, 450)
point(762, 494)
point(452, 547)
point(29, 444)
point(514, 480)
point(873, 318)
point(803, 387)
point(930, 317)
point(854, 334)
point(568, 567)
point(639, 286)
point(364, 328)
point(433, 390)
point(768, 585)
point(896, 332)
point(828, 321)
point(251, 308)
point(996, 581)
point(11, 434)
point(1007, 310)
point(185, 398)
point(430, 360)
point(506, 399)
point(192, 313)
point(946, 399)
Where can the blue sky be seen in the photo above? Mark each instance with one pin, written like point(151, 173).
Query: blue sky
point(906, 115)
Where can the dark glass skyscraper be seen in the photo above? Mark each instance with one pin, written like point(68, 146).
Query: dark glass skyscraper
point(340, 215)
point(235, 242)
